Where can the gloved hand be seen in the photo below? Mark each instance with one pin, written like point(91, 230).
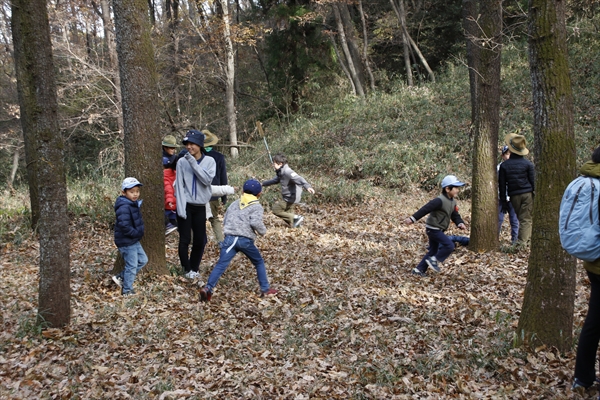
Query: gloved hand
point(504, 207)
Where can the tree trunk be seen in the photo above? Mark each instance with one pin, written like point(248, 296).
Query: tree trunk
point(230, 79)
point(141, 122)
point(366, 45)
point(470, 12)
point(351, 39)
point(342, 65)
point(109, 37)
point(346, 49)
point(405, 44)
point(547, 313)
point(484, 210)
point(39, 118)
point(15, 166)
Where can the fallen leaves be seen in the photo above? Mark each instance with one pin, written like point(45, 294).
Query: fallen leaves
point(350, 321)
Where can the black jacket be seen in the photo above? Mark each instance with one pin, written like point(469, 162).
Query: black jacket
point(516, 176)
point(221, 174)
point(129, 225)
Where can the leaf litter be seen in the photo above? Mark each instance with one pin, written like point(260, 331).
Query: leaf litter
point(350, 321)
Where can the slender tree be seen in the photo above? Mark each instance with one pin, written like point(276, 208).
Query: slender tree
point(350, 61)
point(229, 79)
point(37, 99)
point(141, 121)
point(547, 313)
point(484, 226)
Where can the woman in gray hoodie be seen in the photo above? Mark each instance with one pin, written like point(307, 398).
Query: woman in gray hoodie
point(195, 172)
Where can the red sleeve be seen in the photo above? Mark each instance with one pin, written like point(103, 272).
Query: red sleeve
point(168, 180)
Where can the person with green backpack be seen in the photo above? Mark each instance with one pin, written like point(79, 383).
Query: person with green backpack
point(587, 348)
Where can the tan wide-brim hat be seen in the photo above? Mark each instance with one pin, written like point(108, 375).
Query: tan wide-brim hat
point(517, 144)
point(210, 138)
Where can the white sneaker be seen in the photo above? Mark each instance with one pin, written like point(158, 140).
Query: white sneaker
point(298, 221)
point(192, 275)
point(118, 281)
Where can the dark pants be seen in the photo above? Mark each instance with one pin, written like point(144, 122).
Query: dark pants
point(196, 223)
point(440, 246)
point(585, 370)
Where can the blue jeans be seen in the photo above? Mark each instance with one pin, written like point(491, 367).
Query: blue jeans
point(512, 218)
point(440, 246)
point(587, 348)
point(229, 248)
point(135, 258)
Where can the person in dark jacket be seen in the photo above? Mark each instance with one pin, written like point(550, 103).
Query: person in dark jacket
point(129, 230)
point(220, 179)
point(587, 347)
point(441, 210)
point(516, 179)
point(291, 191)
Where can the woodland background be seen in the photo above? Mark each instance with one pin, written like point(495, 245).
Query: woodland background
point(350, 320)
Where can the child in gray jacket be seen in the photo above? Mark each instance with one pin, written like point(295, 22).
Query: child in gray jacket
point(243, 220)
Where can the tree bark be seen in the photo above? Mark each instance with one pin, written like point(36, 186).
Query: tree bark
point(39, 118)
point(229, 79)
point(470, 12)
point(547, 313)
point(366, 45)
point(484, 210)
point(405, 44)
point(141, 122)
point(346, 50)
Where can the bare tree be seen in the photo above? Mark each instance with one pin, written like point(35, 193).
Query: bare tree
point(229, 79)
point(37, 97)
point(352, 68)
point(141, 121)
point(366, 45)
point(484, 226)
point(547, 313)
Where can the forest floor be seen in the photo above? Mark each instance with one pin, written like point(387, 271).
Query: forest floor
point(350, 321)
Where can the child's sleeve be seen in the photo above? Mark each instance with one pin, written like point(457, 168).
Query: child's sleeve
point(455, 217)
point(271, 181)
point(300, 181)
point(256, 221)
point(433, 205)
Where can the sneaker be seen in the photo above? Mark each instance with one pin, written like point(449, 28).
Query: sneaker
point(269, 293)
point(205, 295)
point(579, 387)
point(130, 293)
point(118, 281)
point(418, 272)
point(192, 275)
point(298, 221)
point(432, 262)
point(170, 229)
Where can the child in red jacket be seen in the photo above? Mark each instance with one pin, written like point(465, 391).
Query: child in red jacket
point(169, 144)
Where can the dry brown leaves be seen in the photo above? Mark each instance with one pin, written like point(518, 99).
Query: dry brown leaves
point(349, 322)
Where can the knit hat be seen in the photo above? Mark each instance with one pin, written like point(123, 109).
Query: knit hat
point(211, 139)
point(129, 183)
point(169, 141)
point(517, 144)
point(451, 180)
point(252, 186)
point(194, 136)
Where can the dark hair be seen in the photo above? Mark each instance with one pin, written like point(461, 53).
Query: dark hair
point(279, 159)
point(596, 156)
point(449, 187)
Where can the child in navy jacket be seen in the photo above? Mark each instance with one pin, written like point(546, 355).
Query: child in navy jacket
point(129, 229)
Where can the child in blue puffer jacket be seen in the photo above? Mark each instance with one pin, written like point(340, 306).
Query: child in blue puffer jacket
point(129, 230)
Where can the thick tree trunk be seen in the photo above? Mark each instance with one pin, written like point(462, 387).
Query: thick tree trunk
point(141, 122)
point(41, 131)
point(547, 313)
point(230, 80)
point(484, 210)
point(346, 50)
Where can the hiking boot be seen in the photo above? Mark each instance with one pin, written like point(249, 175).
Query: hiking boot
point(170, 229)
point(432, 262)
point(298, 221)
point(269, 293)
point(205, 295)
point(118, 281)
point(418, 272)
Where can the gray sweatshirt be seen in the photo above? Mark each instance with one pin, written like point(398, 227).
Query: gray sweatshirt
point(291, 184)
point(244, 217)
point(193, 182)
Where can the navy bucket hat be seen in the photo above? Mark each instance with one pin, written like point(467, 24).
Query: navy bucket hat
point(194, 136)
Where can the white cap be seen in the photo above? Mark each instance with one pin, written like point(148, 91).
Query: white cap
point(451, 180)
point(128, 183)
